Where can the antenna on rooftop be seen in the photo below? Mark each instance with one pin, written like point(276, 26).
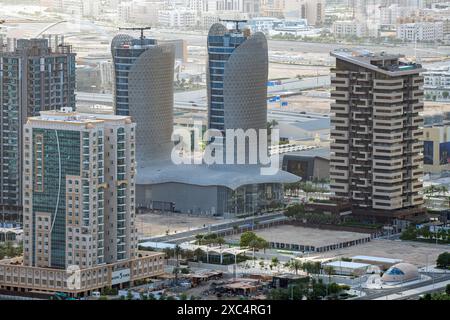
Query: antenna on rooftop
point(138, 28)
point(234, 21)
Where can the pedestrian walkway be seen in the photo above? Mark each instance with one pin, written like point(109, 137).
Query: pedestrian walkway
point(414, 292)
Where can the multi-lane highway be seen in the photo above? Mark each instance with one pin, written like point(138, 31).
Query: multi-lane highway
point(196, 99)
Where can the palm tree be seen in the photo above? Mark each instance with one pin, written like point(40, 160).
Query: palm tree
point(275, 261)
point(177, 252)
point(295, 265)
point(254, 244)
point(198, 253)
point(199, 237)
point(263, 244)
point(270, 125)
point(220, 241)
point(329, 270)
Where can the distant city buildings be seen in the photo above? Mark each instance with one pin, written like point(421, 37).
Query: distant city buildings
point(420, 31)
point(349, 29)
point(313, 11)
point(140, 11)
point(177, 18)
point(437, 84)
point(376, 150)
point(35, 75)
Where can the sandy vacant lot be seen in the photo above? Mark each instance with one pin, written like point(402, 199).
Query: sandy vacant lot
point(306, 236)
point(152, 224)
point(280, 70)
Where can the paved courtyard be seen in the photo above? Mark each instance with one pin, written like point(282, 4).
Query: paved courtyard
point(152, 224)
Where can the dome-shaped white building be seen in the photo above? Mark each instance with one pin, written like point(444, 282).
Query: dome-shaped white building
point(401, 272)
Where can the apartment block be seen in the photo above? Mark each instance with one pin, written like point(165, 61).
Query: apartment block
point(342, 29)
point(376, 150)
point(421, 31)
point(35, 75)
point(79, 207)
point(79, 172)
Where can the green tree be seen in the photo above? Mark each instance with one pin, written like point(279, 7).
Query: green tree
point(246, 238)
point(129, 295)
point(443, 261)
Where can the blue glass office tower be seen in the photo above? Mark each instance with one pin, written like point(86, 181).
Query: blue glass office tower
point(126, 51)
point(34, 76)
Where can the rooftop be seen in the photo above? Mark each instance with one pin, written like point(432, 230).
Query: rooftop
point(320, 152)
point(230, 176)
point(376, 259)
point(346, 264)
point(67, 115)
point(389, 64)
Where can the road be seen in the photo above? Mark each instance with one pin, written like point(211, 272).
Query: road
point(244, 223)
point(408, 291)
point(197, 98)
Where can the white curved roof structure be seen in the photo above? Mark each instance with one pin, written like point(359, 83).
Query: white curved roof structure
point(230, 176)
point(401, 272)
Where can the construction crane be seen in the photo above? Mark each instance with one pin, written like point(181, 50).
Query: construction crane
point(234, 21)
point(140, 29)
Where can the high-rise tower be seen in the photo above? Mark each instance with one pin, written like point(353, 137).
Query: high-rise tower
point(237, 74)
point(35, 75)
point(79, 185)
point(143, 89)
point(376, 149)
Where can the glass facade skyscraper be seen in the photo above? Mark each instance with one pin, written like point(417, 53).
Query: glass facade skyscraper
point(220, 48)
point(143, 90)
point(125, 56)
point(33, 77)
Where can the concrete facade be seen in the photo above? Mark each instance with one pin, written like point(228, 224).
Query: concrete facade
point(376, 149)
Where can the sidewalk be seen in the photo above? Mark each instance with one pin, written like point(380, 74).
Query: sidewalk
point(414, 292)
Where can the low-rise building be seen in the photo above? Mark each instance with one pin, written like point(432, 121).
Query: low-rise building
point(421, 31)
point(382, 262)
point(436, 148)
point(177, 18)
point(346, 268)
point(436, 84)
point(343, 29)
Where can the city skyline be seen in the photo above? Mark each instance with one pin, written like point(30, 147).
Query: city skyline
point(246, 151)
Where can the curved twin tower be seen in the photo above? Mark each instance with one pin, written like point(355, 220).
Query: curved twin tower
point(143, 89)
point(237, 74)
